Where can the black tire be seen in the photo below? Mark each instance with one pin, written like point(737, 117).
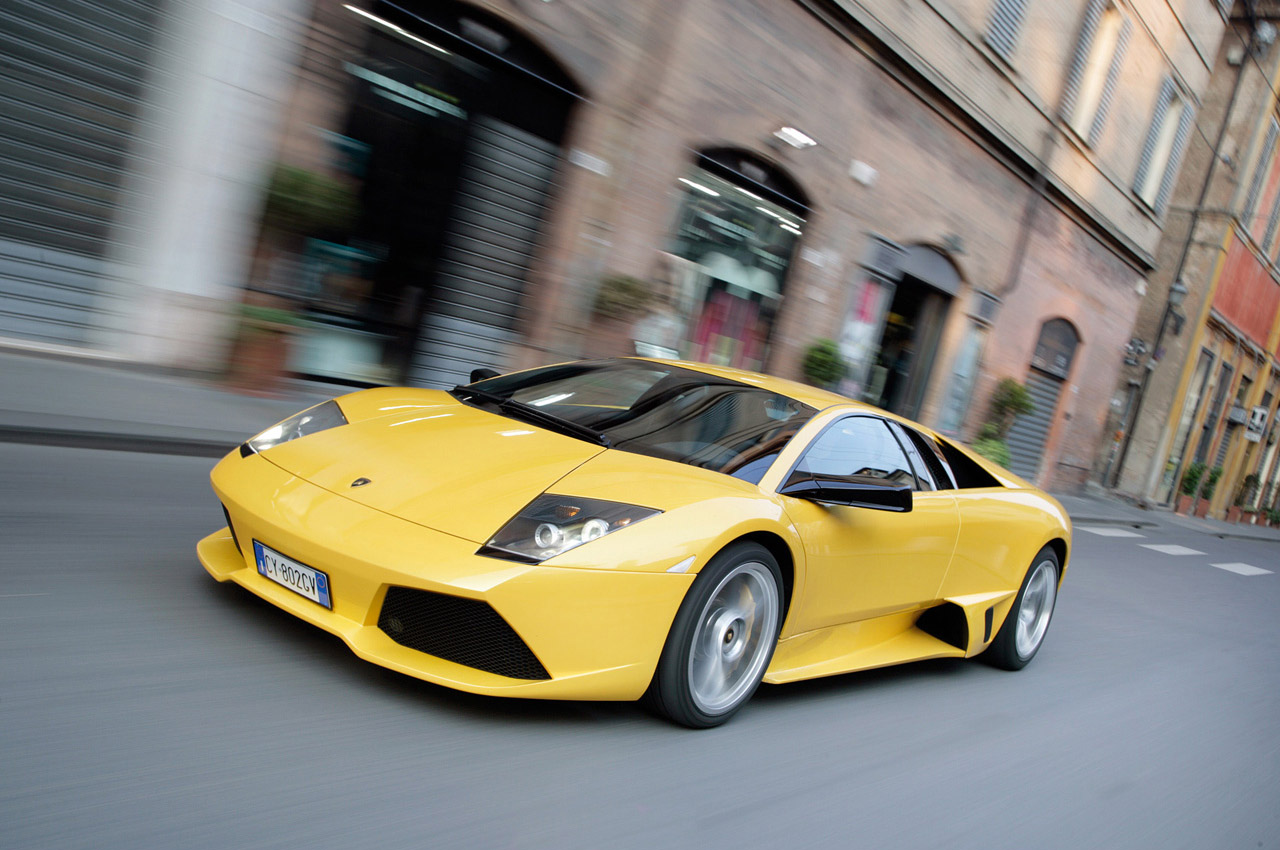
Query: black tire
point(1011, 650)
point(710, 617)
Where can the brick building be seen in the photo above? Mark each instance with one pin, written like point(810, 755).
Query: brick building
point(956, 191)
point(1208, 356)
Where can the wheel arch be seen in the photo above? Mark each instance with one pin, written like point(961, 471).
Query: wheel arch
point(1060, 548)
point(781, 553)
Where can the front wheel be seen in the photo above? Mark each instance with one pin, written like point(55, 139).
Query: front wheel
point(1024, 629)
point(722, 639)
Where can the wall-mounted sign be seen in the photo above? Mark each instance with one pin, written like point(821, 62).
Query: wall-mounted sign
point(1257, 424)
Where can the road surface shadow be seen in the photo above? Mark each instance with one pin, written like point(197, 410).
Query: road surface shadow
point(262, 621)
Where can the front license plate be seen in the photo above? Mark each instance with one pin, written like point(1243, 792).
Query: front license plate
point(299, 578)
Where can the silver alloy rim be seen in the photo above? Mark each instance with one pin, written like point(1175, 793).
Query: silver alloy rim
point(1037, 606)
point(735, 631)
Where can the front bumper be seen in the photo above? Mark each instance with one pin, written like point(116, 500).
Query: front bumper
point(597, 633)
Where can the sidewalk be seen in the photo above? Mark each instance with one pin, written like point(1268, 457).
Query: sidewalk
point(1110, 510)
point(67, 401)
point(63, 400)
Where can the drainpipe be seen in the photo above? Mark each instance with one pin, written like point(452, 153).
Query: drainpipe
point(1153, 359)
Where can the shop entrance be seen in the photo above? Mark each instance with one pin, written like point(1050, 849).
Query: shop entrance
point(452, 136)
point(911, 310)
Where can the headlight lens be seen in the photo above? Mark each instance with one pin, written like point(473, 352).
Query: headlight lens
point(319, 418)
point(550, 525)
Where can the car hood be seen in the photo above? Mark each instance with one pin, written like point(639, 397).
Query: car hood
point(433, 461)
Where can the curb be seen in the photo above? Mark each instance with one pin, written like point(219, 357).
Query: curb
point(1110, 520)
point(69, 438)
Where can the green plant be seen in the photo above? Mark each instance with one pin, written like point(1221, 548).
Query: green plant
point(989, 431)
point(823, 365)
point(1009, 401)
point(258, 316)
point(993, 449)
point(1211, 482)
point(621, 296)
point(304, 202)
point(1273, 516)
point(1191, 478)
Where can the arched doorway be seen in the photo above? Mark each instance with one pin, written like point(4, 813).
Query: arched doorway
point(720, 285)
point(1050, 368)
point(452, 136)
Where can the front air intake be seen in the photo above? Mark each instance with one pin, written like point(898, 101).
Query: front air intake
point(464, 631)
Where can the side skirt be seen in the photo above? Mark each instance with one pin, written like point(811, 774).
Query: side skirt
point(956, 628)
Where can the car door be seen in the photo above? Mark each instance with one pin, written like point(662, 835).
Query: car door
point(863, 562)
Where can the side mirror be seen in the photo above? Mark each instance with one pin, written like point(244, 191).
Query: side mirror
point(482, 374)
point(856, 491)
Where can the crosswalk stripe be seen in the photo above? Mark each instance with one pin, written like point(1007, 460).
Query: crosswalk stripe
point(1108, 531)
point(1170, 549)
point(1243, 569)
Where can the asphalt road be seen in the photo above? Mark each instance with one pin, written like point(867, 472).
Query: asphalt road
point(144, 705)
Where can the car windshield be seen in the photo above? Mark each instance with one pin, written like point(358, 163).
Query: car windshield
point(659, 410)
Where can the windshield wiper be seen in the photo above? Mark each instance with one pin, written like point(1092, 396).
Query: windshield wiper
point(535, 415)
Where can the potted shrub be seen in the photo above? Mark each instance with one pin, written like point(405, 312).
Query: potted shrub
point(1206, 491)
point(1187, 487)
point(260, 351)
point(1244, 497)
point(1273, 517)
point(823, 366)
point(1009, 401)
point(990, 445)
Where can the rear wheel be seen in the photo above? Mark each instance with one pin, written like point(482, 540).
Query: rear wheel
point(1024, 629)
point(722, 639)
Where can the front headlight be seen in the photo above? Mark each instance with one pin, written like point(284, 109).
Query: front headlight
point(550, 525)
point(322, 417)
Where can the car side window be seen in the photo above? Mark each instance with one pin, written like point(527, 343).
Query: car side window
point(924, 473)
point(932, 456)
point(858, 445)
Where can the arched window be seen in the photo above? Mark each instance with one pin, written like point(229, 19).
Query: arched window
point(1056, 348)
point(720, 284)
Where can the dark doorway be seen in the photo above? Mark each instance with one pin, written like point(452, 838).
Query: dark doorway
point(452, 138)
point(913, 328)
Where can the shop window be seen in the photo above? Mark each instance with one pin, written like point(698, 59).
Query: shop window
point(718, 290)
point(1190, 407)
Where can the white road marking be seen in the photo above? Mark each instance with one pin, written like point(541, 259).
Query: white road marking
point(1243, 569)
point(1170, 549)
point(1108, 531)
point(20, 595)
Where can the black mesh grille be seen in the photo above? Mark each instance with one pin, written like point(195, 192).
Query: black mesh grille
point(464, 631)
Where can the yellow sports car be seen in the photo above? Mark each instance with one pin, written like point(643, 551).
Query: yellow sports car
point(619, 529)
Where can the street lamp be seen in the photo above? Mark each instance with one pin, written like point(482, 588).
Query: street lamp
point(1177, 295)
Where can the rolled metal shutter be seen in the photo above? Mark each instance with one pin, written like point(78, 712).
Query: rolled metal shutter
point(1029, 433)
point(502, 194)
point(1225, 445)
point(73, 78)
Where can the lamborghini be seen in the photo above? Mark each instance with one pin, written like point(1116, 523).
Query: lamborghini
point(636, 529)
